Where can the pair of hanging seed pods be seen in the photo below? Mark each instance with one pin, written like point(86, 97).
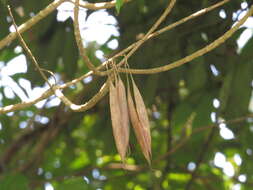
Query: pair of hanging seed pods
point(125, 109)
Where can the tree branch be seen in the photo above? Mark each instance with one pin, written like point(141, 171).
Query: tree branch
point(152, 29)
point(49, 9)
point(198, 53)
point(79, 41)
point(173, 25)
point(57, 92)
point(32, 21)
point(97, 6)
point(78, 108)
point(178, 63)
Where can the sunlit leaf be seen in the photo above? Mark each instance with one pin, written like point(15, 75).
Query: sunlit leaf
point(119, 4)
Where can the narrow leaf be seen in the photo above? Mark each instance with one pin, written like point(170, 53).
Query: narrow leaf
point(119, 4)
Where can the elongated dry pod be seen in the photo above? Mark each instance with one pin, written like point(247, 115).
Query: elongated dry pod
point(119, 117)
point(142, 114)
point(141, 132)
point(123, 109)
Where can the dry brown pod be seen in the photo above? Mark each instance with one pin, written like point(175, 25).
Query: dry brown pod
point(139, 120)
point(143, 115)
point(119, 116)
point(123, 108)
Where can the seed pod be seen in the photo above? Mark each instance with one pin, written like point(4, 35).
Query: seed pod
point(143, 115)
point(139, 129)
point(120, 121)
point(123, 110)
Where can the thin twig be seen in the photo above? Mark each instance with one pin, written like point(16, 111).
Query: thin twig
point(46, 11)
point(178, 63)
point(34, 61)
point(152, 29)
point(152, 35)
point(89, 104)
point(173, 25)
point(190, 17)
point(198, 53)
point(32, 21)
point(140, 42)
point(97, 6)
point(79, 41)
point(56, 91)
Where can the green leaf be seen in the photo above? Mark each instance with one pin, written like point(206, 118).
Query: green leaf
point(11, 182)
point(74, 183)
point(119, 4)
point(246, 52)
point(7, 54)
point(70, 53)
point(181, 113)
point(3, 2)
point(196, 75)
point(240, 91)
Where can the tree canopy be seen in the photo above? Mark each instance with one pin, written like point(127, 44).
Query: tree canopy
point(186, 60)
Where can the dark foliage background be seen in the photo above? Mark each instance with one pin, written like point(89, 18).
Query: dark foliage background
point(77, 151)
